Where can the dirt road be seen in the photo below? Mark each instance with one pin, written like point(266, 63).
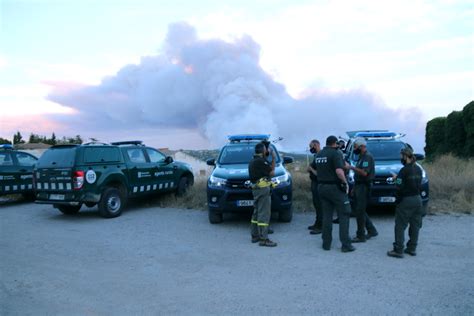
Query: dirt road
point(171, 261)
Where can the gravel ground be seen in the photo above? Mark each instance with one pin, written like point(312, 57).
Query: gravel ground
point(172, 261)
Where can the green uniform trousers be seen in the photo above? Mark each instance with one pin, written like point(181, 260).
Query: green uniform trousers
point(317, 204)
point(261, 212)
point(409, 212)
point(332, 198)
point(361, 195)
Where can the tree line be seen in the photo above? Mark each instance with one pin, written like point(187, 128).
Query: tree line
point(35, 139)
point(452, 134)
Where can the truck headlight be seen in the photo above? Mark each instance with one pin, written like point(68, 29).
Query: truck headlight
point(283, 179)
point(217, 182)
point(350, 176)
point(424, 176)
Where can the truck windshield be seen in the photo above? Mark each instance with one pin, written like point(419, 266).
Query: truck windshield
point(241, 154)
point(57, 158)
point(385, 150)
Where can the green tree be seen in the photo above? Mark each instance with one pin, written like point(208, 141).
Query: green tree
point(53, 139)
point(455, 136)
point(468, 123)
point(78, 139)
point(435, 137)
point(4, 141)
point(18, 139)
point(34, 139)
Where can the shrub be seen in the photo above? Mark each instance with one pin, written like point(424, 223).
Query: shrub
point(451, 185)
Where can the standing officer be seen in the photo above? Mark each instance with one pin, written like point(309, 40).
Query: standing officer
point(316, 228)
point(364, 172)
point(261, 171)
point(333, 191)
point(409, 209)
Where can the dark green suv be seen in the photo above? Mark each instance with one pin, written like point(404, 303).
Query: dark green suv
point(106, 175)
point(16, 171)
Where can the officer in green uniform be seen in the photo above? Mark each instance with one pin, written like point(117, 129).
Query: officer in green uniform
point(260, 172)
point(364, 172)
point(333, 191)
point(316, 228)
point(409, 209)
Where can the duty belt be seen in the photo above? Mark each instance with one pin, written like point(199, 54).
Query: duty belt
point(262, 183)
point(328, 182)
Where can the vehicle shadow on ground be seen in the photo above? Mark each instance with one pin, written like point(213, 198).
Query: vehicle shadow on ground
point(381, 212)
point(85, 214)
point(14, 200)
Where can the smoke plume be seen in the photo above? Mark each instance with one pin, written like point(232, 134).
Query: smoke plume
point(217, 88)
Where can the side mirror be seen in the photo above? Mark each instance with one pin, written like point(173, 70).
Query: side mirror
point(419, 157)
point(168, 160)
point(287, 159)
point(211, 162)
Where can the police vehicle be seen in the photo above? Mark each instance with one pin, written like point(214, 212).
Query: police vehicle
point(68, 176)
point(385, 147)
point(228, 187)
point(16, 171)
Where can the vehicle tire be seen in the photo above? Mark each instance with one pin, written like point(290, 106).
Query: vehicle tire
point(215, 217)
point(286, 215)
point(111, 203)
point(183, 186)
point(30, 196)
point(90, 204)
point(69, 209)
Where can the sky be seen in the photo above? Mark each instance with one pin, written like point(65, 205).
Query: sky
point(117, 70)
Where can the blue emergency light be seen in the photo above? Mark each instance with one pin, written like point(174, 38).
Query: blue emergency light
point(248, 137)
point(6, 146)
point(376, 134)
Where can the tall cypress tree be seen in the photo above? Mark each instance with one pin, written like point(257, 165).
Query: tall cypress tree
point(435, 136)
point(468, 123)
point(455, 136)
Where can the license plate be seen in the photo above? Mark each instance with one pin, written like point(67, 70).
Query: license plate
point(245, 203)
point(387, 199)
point(56, 196)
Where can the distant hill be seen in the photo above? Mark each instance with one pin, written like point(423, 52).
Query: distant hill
point(213, 153)
point(202, 154)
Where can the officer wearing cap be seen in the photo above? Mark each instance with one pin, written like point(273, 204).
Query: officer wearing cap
point(409, 210)
point(333, 191)
point(316, 228)
point(364, 172)
point(260, 172)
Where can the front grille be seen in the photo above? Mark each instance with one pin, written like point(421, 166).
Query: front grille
point(239, 196)
point(236, 183)
point(381, 180)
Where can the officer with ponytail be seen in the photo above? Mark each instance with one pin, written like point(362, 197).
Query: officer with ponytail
point(409, 208)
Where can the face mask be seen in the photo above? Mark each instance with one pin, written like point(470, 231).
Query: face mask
point(357, 151)
point(312, 150)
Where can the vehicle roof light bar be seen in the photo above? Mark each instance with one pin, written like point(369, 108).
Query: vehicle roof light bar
point(6, 146)
point(128, 142)
point(248, 137)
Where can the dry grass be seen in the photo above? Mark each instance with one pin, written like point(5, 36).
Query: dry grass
point(451, 185)
point(194, 198)
point(302, 198)
point(451, 189)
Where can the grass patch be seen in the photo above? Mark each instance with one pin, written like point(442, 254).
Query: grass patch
point(194, 198)
point(451, 185)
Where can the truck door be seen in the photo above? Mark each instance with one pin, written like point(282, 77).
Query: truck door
point(139, 171)
point(163, 172)
point(25, 164)
point(8, 173)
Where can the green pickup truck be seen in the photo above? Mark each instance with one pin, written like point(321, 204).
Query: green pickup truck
point(16, 171)
point(68, 176)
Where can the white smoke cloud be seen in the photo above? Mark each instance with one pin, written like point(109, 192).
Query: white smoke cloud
point(218, 88)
